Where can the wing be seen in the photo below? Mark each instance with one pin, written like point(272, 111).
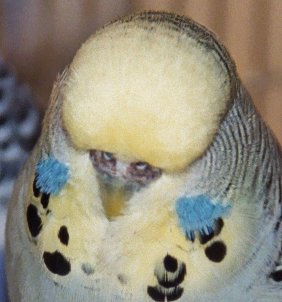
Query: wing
point(230, 210)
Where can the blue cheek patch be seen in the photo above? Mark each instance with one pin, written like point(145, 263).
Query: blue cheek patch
point(198, 213)
point(51, 175)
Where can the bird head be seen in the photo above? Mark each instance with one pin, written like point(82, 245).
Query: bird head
point(145, 95)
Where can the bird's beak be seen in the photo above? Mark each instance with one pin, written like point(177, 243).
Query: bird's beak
point(114, 197)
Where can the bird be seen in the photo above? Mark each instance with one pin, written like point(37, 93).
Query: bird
point(154, 178)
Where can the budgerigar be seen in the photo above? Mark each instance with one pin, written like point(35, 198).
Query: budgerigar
point(154, 178)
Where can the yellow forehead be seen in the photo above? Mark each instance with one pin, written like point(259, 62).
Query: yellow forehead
point(152, 95)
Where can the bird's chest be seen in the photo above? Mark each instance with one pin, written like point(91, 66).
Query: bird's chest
point(87, 243)
point(82, 240)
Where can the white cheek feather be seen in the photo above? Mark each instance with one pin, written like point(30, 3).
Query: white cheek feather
point(126, 93)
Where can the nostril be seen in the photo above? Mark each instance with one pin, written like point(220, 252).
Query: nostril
point(141, 166)
point(107, 156)
point(143, 172)
point(139, 172)
point(103, 161)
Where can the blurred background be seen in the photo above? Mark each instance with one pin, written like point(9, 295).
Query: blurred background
point(38, 38)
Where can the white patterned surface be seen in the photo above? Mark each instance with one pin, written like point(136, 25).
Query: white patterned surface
point(2, 275)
